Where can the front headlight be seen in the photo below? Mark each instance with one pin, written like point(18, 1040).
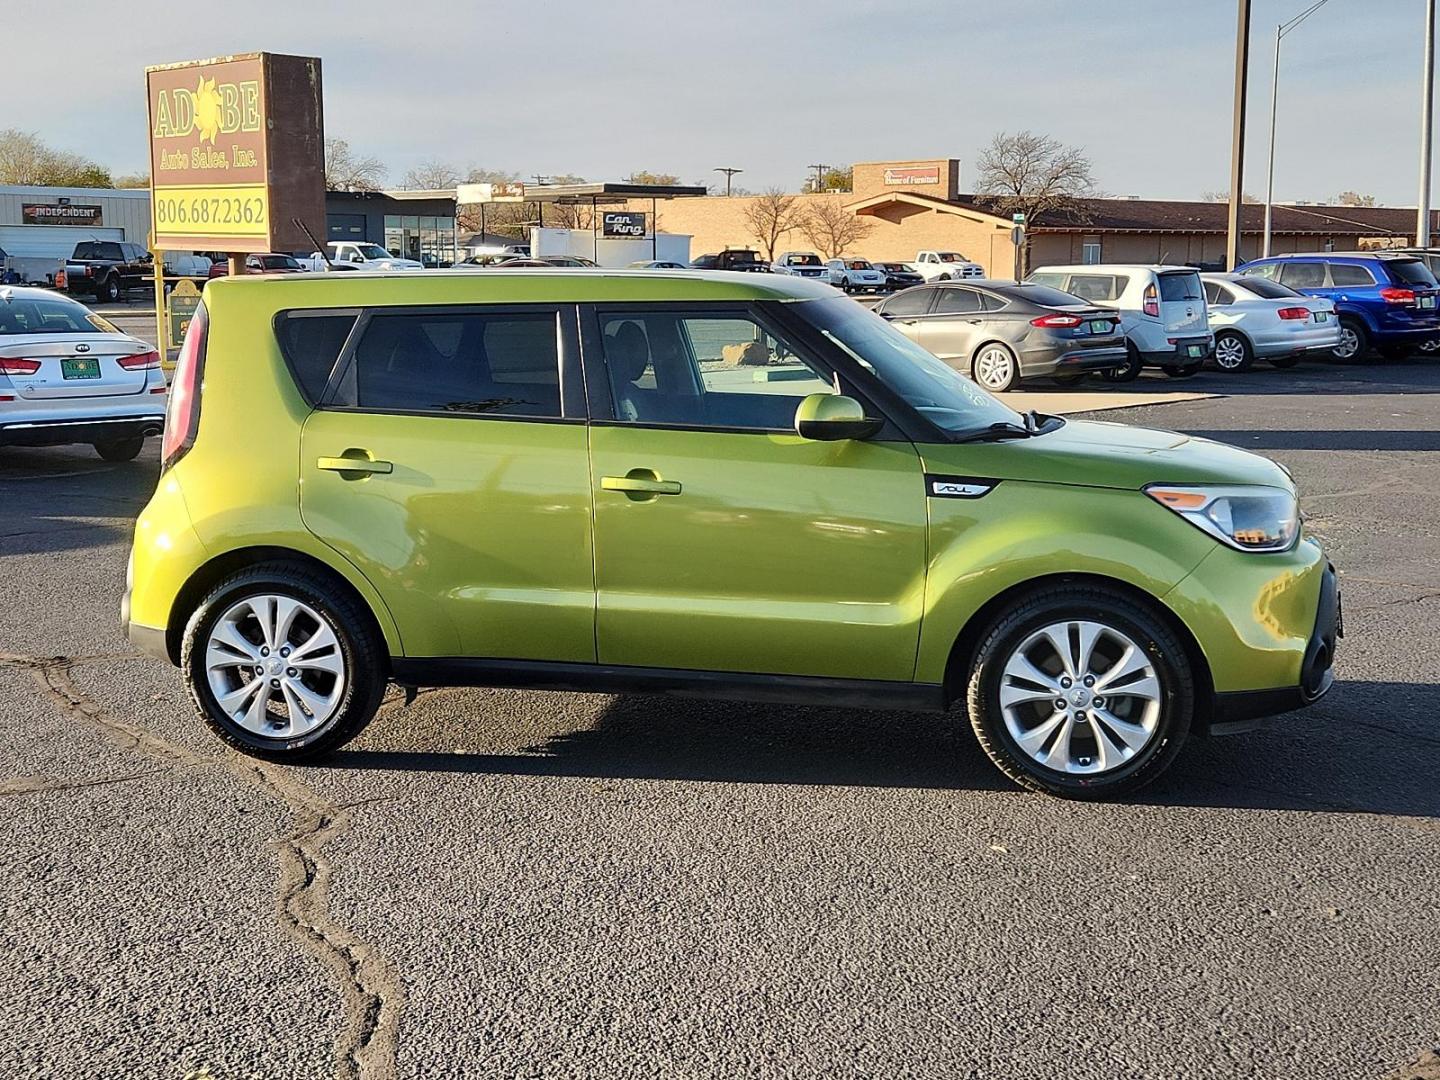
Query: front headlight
point(1245, 518)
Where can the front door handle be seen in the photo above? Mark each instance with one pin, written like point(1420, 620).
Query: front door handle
point(642, 485)
point(352, 462)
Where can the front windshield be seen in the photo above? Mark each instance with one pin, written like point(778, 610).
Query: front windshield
point(374, 251)
point(279, 262)
point(945, 397)
point(804, 260)
point(952, 256)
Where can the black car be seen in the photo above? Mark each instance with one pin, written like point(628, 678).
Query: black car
point(999, 333)
point(899, 275)
point(741, 259)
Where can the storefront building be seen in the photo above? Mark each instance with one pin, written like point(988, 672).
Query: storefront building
point(416, 225)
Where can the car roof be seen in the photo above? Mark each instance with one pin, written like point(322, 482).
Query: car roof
point(1384, 255)
point(499, 284)
point(1101, 268)
point(23, 292)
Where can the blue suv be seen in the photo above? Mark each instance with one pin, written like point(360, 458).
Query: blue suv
point(1386, 299)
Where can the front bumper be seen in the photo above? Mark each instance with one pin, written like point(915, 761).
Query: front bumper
point(80, 430)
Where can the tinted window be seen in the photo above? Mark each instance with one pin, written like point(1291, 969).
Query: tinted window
point(1345, 274)
point(1094, 287)
point(1180, 287)
point(1410, 271)
point(1303, 275)
point(909, 302)
point(1214, 296)
point(691, 369)
point(992, 301)
point(312, 344)
point(1264, 271)
point(957, 302)
point(1056, 281)
point(1270, 290)
point(494, 364)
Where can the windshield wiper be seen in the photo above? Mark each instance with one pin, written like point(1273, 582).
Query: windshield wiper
point(996, 432)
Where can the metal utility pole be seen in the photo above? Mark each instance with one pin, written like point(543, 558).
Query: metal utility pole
point(1280, 31)
point(729, 175)
point(1237, 137)
point(1422, 224)
point(819, 176)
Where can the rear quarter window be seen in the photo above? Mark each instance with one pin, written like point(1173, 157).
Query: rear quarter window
point(311, 343)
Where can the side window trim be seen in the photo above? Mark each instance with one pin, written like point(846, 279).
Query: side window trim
point(572, 388)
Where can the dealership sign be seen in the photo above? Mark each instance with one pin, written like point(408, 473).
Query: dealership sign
point(622, 223)
point(470, 194)
point(236, 153)
point(903, 176)
point(60, 214)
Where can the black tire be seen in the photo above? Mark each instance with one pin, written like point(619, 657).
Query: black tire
point(1095, 604)
point(1233, 345)
point(108, 290)
point(1362, 338)
point(360, 646)
point(1395, 352)
point(1131, 369)
point(121, 449)
point(1182, 371)
point(1070, 378)
point(1283, 361)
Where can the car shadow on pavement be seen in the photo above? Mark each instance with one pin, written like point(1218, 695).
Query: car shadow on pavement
point(1374, 439)
point(1369, 748)
point(66, 499)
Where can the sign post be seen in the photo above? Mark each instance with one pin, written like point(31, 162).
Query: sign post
point(1017, 237)
point(237, 155)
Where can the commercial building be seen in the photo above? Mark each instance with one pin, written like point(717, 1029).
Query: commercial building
point(417, 225)
point(40, 226)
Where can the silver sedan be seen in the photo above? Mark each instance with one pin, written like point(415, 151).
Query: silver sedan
point(1253, 318)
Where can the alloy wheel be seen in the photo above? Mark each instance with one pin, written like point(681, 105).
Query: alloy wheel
point(274, 666)
point(1229, 353)
point(1349, 343)
point(995, 368)
point(1080, 697)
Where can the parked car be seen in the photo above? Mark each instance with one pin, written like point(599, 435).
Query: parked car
point(270, 262)
point(899, 275)
point(999, 333)
point(756, 488)
point(855, 275)
point(1162, 312)
point(657, 264)
point(1383, 299)
point(365, 256)
point(1431, 258)
point(571, 261)
point(69, 376)
point(806, 264)
point(1257, 319)
point(105, 269)
point(741, 259)
point(946, 266)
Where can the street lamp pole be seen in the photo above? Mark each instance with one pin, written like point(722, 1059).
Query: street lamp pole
point(1280, 31)
point(1422, 225)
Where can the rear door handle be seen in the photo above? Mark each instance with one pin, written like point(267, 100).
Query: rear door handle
point(354, 465)
point(640, 484)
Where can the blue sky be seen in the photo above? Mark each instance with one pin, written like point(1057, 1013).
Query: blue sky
point(771, 85)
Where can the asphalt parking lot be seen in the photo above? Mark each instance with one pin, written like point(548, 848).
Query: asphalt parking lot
point(493, 883)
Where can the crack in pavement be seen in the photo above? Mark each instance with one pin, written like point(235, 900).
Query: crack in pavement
point(370, 990)
point(44, 785)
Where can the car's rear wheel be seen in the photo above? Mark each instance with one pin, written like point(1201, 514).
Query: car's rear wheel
point(1080, 692)
point(121, 449)
point(1233, 352)
point(996, 369)
point(1354, 342)
point(282, 664)
point(108, 291)
point(1130, 370)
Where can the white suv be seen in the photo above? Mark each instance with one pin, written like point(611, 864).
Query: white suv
point(1162, 312)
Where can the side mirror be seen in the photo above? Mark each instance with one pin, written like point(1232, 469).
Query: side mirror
point(832, 417)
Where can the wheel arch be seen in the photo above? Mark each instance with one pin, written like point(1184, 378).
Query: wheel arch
point(229, 562)
point(968, 640)
point(975, 353)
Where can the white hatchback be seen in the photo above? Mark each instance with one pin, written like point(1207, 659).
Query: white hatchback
point(68, 376)
point(1162, 311)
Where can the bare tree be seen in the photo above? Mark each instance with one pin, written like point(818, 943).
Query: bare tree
point(832, 228)
point(645, 177)
point(1224, 196)
point(771, 216)
point(1354, 198)
point(25, 159)
point(346, 170)
point(1033, 174)
point(478, 175)
point(431, 175)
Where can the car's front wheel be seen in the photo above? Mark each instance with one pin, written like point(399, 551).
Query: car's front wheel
point(1080, 692)
point(283, 664)
point(996, 368)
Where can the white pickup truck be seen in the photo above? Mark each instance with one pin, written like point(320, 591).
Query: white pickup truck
point(946, 266)
point(359, 256)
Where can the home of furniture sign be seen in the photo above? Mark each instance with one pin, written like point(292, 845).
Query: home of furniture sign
point(923, 174)
point(236, 153)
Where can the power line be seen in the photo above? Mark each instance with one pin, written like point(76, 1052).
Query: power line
point(729, 175)
point(820, 171)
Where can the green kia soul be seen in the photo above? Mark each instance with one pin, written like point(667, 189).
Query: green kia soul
point(728, 485)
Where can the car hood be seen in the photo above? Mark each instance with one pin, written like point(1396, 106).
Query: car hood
point(1088, 453)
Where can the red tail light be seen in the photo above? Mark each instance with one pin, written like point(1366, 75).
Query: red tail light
point(1152, 301)
point(1293, 313)
point(140, 361)
point(182, 414)
point(1063, 321)
point(9, 366)
point(1393, 295)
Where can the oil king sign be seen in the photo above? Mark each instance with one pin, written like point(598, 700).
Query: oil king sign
point(236, 153)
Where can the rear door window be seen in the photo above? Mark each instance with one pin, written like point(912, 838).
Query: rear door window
point(1180, 287)
point(311, 343)
point(1303, 275)
point(910, 302)
point(499, 364)
point(1343, 274)
point(957, 302)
